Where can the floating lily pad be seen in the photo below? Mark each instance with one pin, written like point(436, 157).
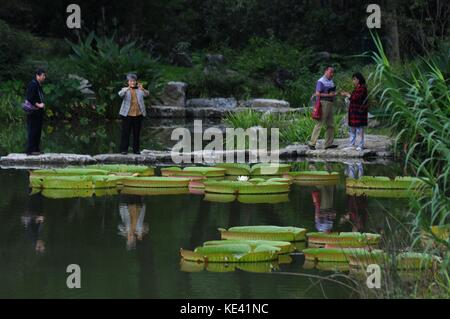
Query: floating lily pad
point(264, 233)
point(67, 193)
point(156, 182)
point(256, 267)
point(237, 169)
point(247, 187)
point(78, 182)
point(231, 253)
point(310, 176)
point(123, 169)
point(193, 171)
point(154, 191)
point(331, 254)
point(70, 171)
point(285, 246)
point(383, 182)
point(219, 198)
point(343, 239)
point(263, 198)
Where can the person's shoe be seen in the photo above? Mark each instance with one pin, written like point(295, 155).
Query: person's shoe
point(137, 153)
point(359, 148)
point(36, 153)
point(331, 146)
point(311, 147)
point(349, 148)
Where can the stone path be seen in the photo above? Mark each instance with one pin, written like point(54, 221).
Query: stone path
point(378, 148)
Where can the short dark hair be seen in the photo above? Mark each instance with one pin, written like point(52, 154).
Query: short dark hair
point(40, 72)
point(329, 67)
point(360, 77)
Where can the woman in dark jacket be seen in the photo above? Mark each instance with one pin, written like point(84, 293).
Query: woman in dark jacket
point(357, 111)
point(35, 119)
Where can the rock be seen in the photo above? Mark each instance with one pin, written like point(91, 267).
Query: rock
point(257, 103)
point(181, 59)
point(174, 94)
point(47, 158)
point(214, 103)
point(377, 147)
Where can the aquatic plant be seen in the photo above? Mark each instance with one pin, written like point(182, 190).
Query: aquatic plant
point(263, 232)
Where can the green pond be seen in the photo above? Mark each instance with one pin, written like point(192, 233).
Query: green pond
point(41, 236)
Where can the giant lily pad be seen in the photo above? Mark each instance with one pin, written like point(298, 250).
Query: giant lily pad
point(263, 198)
point(231, 253)
point(380, 193)
point(285, 246)
point(123, 169)
point(193, 171)
point(155, 182)
point(311, 176)
point(382, 182)
point(247, 187)
point(264, 233)
point(331, 254)
point(79, 182)
point(70, 171)
point(154, 191)
point(344, 239)
point(236, 169)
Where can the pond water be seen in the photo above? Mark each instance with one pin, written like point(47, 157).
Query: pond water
point(41, 236)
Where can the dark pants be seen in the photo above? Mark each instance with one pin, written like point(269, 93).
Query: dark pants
point(131, 124)
point(34, 128)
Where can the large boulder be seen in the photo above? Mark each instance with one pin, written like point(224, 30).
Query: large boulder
point(174, 94)
point(257, 103)
point(219, 102)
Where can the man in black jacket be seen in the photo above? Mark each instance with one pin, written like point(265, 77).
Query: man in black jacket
point(35, 96)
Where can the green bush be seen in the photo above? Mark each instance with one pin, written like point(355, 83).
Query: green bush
point(105, 64)
point(11, 98)
point(14, 46)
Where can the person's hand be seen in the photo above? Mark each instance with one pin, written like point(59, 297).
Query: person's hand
point(140, 87)
point(40, 105)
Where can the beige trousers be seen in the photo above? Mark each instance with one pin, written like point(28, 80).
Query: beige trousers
point(327, 118)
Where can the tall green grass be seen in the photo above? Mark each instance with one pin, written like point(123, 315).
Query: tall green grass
point(418, 98)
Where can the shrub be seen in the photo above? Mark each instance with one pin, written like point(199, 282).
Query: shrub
point(105, 64)
point(11, 97)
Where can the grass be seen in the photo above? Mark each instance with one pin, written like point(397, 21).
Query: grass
point(294, 128)
point(418, 97)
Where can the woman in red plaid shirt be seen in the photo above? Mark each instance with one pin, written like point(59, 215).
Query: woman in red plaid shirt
point(357, 111)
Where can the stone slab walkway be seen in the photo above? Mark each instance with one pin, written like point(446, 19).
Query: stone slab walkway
point(378, 148)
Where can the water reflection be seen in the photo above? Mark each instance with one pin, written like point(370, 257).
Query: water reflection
point(132, 214)
point(33, 222)
point(324, 212)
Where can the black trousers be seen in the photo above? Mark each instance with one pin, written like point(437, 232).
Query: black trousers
point(34, 129)
point(131, 124)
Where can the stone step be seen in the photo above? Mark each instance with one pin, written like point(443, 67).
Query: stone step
point(378, 147)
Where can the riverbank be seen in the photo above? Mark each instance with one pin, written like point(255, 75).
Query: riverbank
point(378, 148)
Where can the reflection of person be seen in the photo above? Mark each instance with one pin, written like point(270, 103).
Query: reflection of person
point(324, 211)
point(132, 213)
point(357, 111)
point(354, 170)
point(357, 212)
point(326, 91)
point(132, 112)
point(35, 95)
point(33, 222)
